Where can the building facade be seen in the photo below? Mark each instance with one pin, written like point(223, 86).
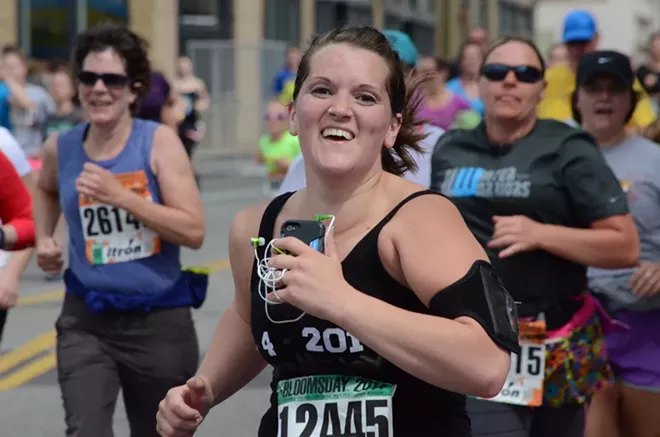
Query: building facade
point(237, 46)
point(46, 29)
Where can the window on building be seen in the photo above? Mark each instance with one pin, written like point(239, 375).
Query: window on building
point(483, 13)
point(326, 16)
point(282, 21)
point(506, 19)
point(423, 35)
point(49, 29)
point(200, 13)
point(393, 22)
point(198, 7)
point(431, 6)
point(525, 22)
point(100, 11)
point(359, 15)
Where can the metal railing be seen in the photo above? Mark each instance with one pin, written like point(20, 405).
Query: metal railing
point(239, 77)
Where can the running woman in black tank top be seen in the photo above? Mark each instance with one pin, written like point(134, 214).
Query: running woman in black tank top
point(385, 332)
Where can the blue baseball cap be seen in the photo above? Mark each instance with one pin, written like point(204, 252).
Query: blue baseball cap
point(579, 25)
point(403, 45)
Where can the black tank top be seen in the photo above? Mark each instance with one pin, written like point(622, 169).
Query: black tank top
point(324, 377)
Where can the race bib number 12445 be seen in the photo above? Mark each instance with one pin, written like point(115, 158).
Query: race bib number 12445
point(112, 235)
point(334, 406)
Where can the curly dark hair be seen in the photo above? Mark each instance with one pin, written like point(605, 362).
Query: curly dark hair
point(402, 89)
point(132, 48)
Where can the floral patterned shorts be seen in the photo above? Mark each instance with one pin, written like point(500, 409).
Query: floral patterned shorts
point(577, 366)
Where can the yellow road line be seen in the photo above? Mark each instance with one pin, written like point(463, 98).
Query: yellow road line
point(33, 370)
point(44, 342)
point(218, 265)
point(29, 350)
point(49, 296)
point(57, 295)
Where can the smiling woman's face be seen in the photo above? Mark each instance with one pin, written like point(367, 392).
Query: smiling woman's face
point(343, 114)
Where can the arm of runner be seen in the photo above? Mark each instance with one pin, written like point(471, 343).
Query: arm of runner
point(607, 237)
point(15, 153)
point(455, 354)
point(204, 101)
point(18, 96)
point(173, 110)
point(19, 260)
point(47, 208)
point(180, 219)
point(232, 360)
point(15, 209)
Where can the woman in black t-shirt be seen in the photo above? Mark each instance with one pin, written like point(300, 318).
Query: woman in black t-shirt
point(539, 196)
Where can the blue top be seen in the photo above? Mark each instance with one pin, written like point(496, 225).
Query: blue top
point(476, 104)
point(110, 252)
point(281, 79)
point(4, 106)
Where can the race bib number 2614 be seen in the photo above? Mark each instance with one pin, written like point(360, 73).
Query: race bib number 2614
point(334, 406)
point(113, 235)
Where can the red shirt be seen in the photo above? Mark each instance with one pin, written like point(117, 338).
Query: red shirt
point(15, 204)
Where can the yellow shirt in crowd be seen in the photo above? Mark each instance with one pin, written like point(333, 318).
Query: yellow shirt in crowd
point(556, 103)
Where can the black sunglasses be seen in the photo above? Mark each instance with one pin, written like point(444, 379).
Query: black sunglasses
point(524, 73)
point(110, 80)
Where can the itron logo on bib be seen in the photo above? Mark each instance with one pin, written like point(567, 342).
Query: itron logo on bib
point(334, 405)
point(112, 235)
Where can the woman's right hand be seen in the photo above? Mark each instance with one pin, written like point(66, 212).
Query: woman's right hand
point(184, 408)
point(49, 256)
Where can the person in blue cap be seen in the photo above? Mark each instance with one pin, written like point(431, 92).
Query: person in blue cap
point(407, 51)
point(580, 35)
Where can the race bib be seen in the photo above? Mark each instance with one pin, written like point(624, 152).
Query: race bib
point(524, 384)
point(334, 405)
point(112, 235)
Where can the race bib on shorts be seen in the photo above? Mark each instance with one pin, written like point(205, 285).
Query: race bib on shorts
point(112, 235)
point(524, 384)
point(334, 405)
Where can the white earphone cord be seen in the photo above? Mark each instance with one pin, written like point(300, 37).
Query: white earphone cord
point(270, 278)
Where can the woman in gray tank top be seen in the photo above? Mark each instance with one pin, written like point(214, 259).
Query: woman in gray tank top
point(602, 105)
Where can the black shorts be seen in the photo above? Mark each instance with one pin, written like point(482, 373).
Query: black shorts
point(493, 419)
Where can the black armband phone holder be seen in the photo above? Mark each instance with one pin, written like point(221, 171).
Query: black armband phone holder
point(481, 296)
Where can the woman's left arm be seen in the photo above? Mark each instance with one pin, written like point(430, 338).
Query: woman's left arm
point(180, 219)
point(609, 238)
point(435, 249)
point(432, 252)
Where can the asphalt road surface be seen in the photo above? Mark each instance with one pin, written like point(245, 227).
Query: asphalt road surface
point(30, 403)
